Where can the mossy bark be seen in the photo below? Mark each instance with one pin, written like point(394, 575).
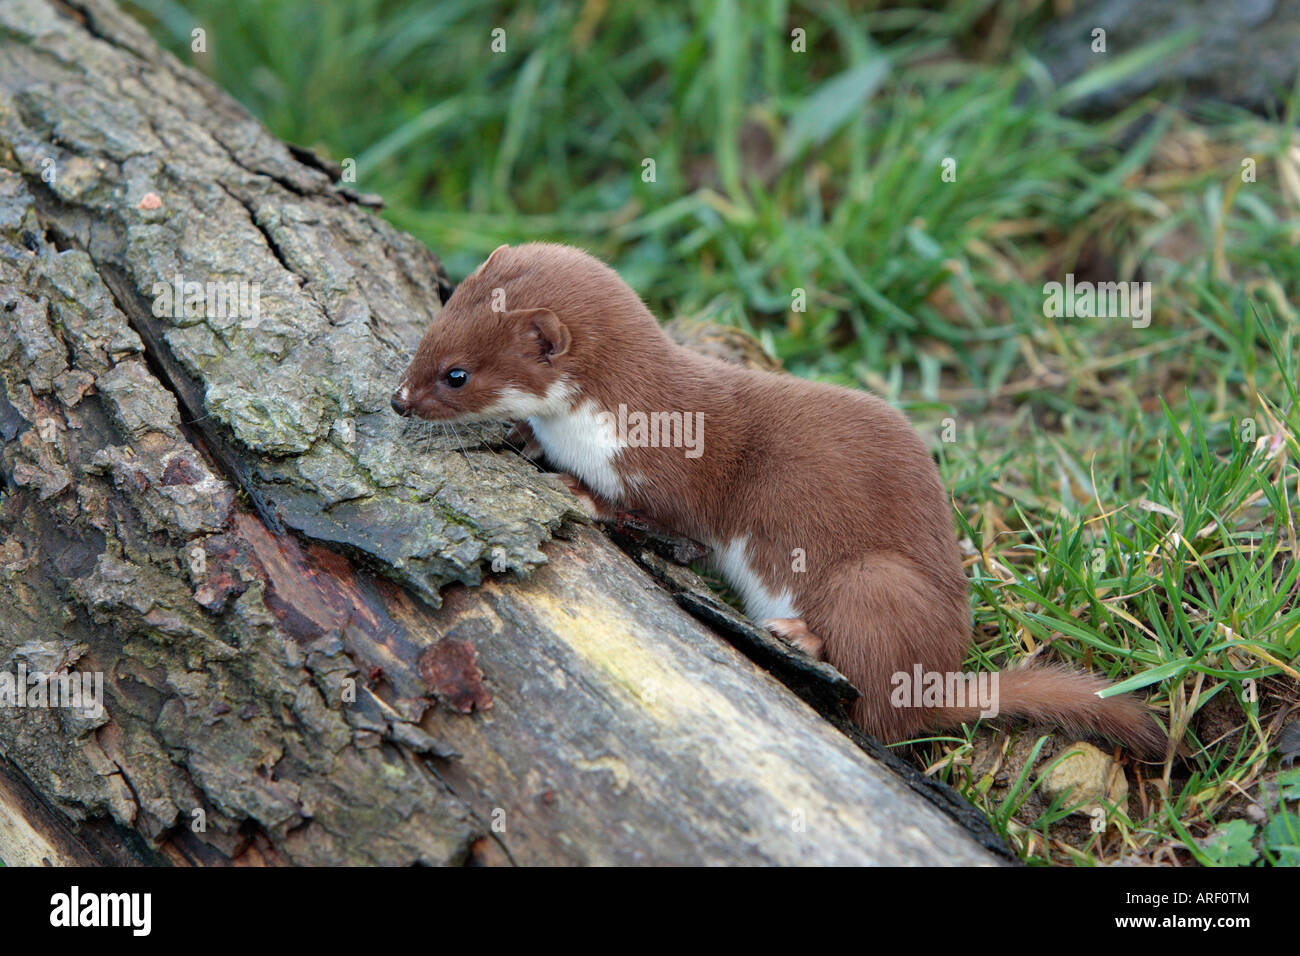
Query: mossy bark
point(325, 637)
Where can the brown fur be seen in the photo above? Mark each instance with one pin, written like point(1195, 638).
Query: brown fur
point(791, 463)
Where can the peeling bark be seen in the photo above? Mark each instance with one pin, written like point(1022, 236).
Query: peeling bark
point(326, 636)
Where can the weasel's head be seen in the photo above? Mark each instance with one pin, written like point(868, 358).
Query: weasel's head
point(498, 349)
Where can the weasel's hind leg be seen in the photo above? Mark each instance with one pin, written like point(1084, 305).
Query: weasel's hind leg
point(796, 631)
point(880, 617)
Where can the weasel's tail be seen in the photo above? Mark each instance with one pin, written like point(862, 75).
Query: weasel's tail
point(1058, 695)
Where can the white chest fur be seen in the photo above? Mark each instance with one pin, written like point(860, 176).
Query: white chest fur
point(583, 442)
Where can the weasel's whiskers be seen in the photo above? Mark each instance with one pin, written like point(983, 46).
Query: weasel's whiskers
point(464, 451)
point(520, 452)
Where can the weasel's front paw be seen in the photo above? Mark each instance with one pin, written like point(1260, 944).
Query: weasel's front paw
point(521, 439)
point(587, 498)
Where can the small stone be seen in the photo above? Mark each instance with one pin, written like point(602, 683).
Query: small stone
point(150, 201)
point(1084, 775)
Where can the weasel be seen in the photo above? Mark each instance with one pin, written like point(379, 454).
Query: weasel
point(822, 506)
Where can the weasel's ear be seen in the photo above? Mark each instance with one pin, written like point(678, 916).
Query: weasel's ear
point(488, 261)
point(544, 329)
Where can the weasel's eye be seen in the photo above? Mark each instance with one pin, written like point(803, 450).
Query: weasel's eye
point(457, 377)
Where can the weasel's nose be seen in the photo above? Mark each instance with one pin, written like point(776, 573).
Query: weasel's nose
point(399, 405)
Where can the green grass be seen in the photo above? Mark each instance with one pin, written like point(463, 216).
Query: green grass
point(1128, 494)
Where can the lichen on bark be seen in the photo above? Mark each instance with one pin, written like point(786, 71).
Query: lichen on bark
point(115, 410)
point(302, 381)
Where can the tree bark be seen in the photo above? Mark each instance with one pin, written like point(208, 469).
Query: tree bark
point(325, 635)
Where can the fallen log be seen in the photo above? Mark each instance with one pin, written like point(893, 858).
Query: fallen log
point(322, 636)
